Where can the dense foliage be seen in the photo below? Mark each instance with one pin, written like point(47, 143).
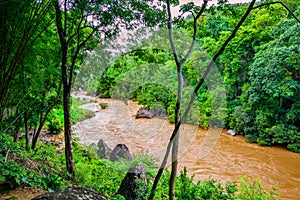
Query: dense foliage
point(270, 103)
point(260, 70)
point(40, 57)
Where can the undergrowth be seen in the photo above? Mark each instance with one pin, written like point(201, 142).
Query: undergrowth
point(46, 170)
point(55, 121)
point(18, 167)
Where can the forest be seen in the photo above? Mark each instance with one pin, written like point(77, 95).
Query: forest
point(230, 66)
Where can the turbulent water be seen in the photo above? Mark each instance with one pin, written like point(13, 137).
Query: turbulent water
point(205, 153)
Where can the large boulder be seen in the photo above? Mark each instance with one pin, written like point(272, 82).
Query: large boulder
point(72, 193)
point(143, 114)
point(133, 182)
point(121, 151)
point(103, 150)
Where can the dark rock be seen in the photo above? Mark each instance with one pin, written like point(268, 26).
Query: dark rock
point(143, 114)
point(231, 132)
point(133, 182)
point(73, 193)
point(121, 151)
point(103, 150)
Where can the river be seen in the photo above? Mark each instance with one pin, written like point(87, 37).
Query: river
point(205, 153)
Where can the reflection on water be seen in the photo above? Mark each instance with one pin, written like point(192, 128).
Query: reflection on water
point(204, 153)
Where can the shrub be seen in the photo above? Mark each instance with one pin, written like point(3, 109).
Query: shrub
point(17, 167)
point(249, 191)
point(103, 105)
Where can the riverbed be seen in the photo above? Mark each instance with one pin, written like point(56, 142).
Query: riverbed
point(205, 153)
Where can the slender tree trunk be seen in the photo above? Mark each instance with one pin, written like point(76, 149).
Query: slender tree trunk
point(17, 129)
point(68, 133)
point(43, 118)
point(175, 142)
point(174, 158)
point(17, 133)
point(66, 86)
point(196, 89)
point(27, 137)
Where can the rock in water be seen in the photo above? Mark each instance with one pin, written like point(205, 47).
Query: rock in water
point(121, 151)
point(231, 132)
point(143, 114)
point(72, 193)
point(133, 181)
point(103, 150)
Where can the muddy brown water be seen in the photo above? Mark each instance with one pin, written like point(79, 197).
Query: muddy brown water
point(205, 153)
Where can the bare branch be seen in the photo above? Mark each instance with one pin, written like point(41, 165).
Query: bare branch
point(173, 143)
point(279, 2)
point(181, 15)
point(74, 58)
point(193, 96)
point(195, 32)
point(171, 33)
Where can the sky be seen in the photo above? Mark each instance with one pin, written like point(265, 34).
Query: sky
point(214, 1)
point(175, 11)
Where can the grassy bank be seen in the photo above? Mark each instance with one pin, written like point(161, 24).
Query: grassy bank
point(46, 170)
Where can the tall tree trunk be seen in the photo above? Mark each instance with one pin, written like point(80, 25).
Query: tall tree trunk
point(175, 141)
point(67, 122)
point(66, 86)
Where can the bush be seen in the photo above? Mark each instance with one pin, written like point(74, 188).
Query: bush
point(55, 120)
point(186, 188)
point(103, 105)
point(249, 191)
point(211, 189)
point(17, 168)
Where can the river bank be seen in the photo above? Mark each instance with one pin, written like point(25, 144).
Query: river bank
point(225, 157)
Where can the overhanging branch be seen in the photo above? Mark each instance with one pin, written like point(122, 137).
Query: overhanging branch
point(279, 2)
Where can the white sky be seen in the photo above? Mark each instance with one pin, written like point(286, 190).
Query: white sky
point(175, 10)
point(197, 2)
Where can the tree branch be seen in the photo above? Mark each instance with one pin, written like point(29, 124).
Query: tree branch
point(174, 141)
point(181, 15)
point(74, 58)
point(178, 124)
point(279, 2)
point(195, 32)
point(171, 33)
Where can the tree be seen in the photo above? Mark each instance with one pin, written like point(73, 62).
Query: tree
point(272, 96)
point(196, 89)
point(29, 84)
point(22, 23)
point(75, 31)
point(179, 64)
